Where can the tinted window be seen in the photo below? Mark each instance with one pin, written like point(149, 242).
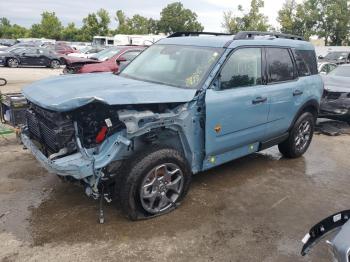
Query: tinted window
point(302, 66)
point(243, 68)
point(279, 64)
point(309, 57)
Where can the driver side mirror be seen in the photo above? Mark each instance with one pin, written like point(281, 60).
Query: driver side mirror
point(120, 60)
point(320, 57)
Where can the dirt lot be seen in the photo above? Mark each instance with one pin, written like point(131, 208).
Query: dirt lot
point(253, 209)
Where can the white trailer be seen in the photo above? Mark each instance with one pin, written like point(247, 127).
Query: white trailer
point(121, 39)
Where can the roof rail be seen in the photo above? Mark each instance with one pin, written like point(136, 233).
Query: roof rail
point(250, 34)
point(178, 34)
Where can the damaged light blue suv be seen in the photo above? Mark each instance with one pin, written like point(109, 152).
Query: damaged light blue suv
point(188, 103)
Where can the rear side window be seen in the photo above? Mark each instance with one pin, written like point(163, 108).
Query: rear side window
point(306, 60)
point(279, 64)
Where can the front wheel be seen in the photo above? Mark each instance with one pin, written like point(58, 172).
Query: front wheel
point(154, 184)
point(12, 62)
point(300, 136)
point(55, 64)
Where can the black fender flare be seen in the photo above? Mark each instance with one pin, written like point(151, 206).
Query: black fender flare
point(312, 104)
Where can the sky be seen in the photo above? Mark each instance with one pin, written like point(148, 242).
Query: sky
point(210, 12)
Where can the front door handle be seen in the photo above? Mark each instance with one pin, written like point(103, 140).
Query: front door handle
point(259, 100)
point(297, 92)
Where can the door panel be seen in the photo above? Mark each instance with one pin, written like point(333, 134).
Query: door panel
point(284, 89)
point(242, 122)
point(236, 115)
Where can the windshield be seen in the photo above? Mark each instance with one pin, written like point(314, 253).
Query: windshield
point(181, 66)
point(336, 55)
point(343, 71)
point(106, 54)
point(85, 49)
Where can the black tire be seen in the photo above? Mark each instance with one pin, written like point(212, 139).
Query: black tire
point(138, 169)
point(55, 64)
point(290, 147)
point(12, 62)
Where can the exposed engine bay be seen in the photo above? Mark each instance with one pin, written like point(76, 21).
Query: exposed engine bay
point(55, 131)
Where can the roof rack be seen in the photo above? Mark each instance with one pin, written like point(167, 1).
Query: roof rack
point(178, 34)
point(251, 34)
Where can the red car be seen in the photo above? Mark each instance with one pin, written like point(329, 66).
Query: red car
point(108, 60)
point(64, 49)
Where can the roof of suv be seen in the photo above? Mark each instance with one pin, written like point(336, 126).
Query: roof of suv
point(228, 41)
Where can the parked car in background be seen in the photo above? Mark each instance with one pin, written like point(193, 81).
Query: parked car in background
point(335, 102)
point(108, 60)
point(7, 42)
point(24, 44)
point(64, 49)
point(336, 57)
point(326, 67)
point(88, 51)
point(31, 56)
point(185, 105)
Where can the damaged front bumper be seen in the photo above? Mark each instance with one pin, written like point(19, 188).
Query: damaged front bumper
point(335, 105)
point(84, 163)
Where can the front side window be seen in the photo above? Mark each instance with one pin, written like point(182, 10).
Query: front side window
point(175, 65)
point(279, 65)
point(243, 68)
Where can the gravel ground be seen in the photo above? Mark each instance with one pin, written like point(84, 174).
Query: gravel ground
point(256, 208)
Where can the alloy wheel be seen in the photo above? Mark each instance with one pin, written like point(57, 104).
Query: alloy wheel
point(161, 187)
point(303, 135)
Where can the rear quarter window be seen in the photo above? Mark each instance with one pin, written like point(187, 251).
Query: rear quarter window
point(306, 62)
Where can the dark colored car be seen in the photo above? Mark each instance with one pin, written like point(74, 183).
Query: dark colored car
point(108, 60)
point(337, 57)
point(335, 102)
point(32, 56)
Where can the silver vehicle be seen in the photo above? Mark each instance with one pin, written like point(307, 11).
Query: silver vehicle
point(340, 243)
point(325, 67)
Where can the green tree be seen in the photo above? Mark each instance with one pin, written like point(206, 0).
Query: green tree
point(253, 20)
point(174, 17)
point(49, 26)
point(11, 31)
point(5, 27)
point(95, 24)
point(70, 33)
point(295, 19)
point(135, 25)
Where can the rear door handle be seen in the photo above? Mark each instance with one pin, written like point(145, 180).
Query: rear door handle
point(297, 93)
point(259, 100)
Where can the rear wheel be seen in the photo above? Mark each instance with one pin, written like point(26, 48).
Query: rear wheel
point(300, 136)
point(154, 184)
point(12, 62)
point(55, 64)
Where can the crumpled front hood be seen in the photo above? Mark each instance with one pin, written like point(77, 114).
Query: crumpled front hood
point(336, 83)
point(67, 92)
